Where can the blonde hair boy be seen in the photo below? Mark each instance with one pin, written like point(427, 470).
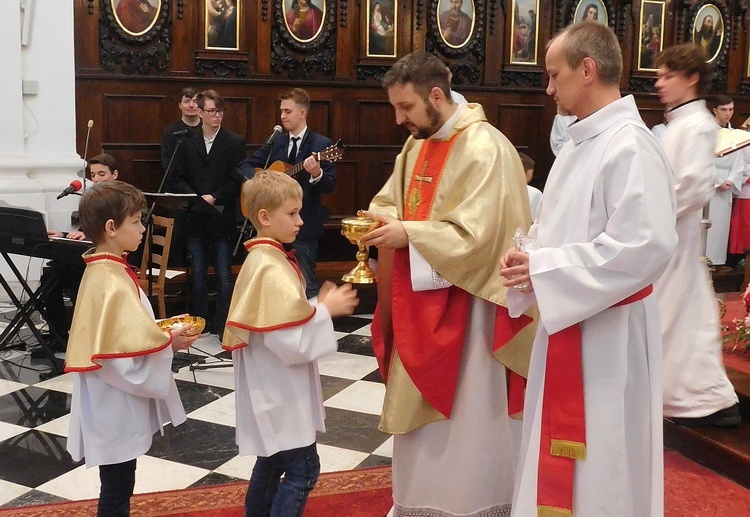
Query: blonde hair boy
point(267, 190)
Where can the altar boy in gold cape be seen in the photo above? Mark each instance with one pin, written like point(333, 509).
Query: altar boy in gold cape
point(442, 334)
point(276, 337)
point(123, 389)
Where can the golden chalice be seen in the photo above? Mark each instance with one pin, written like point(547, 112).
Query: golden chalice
point(353, 228)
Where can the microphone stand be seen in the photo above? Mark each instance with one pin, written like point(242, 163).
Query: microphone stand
point(148, 220)
point(244, 224)
point(85, 156)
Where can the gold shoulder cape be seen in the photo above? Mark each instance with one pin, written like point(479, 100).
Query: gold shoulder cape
point(109, 320)
point(268, 294)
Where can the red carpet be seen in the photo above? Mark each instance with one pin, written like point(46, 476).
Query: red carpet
point(689, 491)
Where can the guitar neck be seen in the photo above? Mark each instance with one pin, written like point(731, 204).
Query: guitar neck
point(295, 169)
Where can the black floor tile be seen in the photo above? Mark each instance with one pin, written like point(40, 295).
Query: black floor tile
point(195, 396)
point(349, 323)
point(333, 385)
point(33, 458)
point(215, 478)
point(353, 344)
point(33, 498)
point(374, 460)
point(352, 430)
point(32, 406)
point(197, 443)
point(373, 377)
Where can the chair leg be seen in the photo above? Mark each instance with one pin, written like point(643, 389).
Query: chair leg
point(162, 306)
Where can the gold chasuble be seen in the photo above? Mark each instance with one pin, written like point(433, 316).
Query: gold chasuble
point(268, 295)
point(110, 320)
point(461, 199)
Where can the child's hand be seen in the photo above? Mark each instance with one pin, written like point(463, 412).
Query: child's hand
point(340, 301)
point(325, 289)
point(179, 340)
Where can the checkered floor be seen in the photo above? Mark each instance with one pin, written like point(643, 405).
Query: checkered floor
point(35, 467)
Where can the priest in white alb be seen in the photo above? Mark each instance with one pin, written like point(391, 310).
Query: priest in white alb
point(592, 431)
point(446, 346)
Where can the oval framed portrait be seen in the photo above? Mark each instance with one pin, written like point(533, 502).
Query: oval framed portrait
point(456, 20)
point(591, 10)
point(136, 17)
point(708, 30)
point(304, 18)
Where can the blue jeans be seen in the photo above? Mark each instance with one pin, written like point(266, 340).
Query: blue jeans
point(118, 482)
point(199, 249)
point(307, 252)
point(268, 497)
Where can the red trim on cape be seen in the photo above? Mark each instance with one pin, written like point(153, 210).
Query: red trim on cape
point(563, 433)
point(265, 329)
point(119, 356)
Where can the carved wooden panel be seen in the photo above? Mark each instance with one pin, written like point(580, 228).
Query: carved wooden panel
point(520, 124)
point(343, 201)
point(238, 116)
point(133, 118)
point(376, 124)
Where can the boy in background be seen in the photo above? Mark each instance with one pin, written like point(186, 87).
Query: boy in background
point(123, 390)
point(276, 337)
point(535, 195)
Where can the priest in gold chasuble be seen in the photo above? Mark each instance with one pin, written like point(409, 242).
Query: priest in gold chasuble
point(452, 358)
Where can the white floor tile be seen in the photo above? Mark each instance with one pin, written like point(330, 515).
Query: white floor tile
point(9, 491)
point(10, 386)
point(333, 459)
point(364, 331)
point(157, 475)
point(80, 483)
point(59, 426)
point(10, 430)
point(362, 397)
point(240, 467)
point(339, 335)
point(220, 377)
point(219, 411)
point(347, 366)
point(386, 449)
point(62, 383)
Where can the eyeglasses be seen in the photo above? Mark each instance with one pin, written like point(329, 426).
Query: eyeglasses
point(213, 112)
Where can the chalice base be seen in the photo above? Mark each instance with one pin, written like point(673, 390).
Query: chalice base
point(361, 274)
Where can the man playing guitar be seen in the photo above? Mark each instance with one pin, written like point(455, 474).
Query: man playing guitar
point(296, 146)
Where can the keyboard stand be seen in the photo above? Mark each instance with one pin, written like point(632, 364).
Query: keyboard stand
point(24, 316)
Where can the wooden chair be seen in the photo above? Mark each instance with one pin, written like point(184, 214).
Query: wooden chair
point(162, 241)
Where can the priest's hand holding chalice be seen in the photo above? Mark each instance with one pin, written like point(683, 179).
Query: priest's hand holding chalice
point(354, 228)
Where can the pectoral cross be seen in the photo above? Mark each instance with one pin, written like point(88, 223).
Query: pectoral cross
point(415, 196)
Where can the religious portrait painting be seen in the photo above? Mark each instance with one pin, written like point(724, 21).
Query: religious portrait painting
point(381, 31)
point(222, 29)
point(591, 10)
point(304, 18)
point(651, 38)
point(136, 17)
point(456, 21)
point(708, 31)
point(524, 32)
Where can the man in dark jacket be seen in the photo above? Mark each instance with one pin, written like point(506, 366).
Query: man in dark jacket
point(205, 164)
point(293, 147)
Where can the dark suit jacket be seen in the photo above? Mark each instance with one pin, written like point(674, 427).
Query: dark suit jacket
point(313, 213)
point(212, 173)
point(169, 141)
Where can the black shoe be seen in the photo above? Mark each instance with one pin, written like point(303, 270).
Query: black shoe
point(728, 417)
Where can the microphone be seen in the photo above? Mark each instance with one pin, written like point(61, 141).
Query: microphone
point(86, 151)
point(182, 132)
point(74, 186)
point(276, 132)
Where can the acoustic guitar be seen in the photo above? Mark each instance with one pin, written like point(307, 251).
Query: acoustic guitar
point(332, 153)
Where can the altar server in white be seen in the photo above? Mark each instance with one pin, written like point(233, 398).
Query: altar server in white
point(592, 433)
point(727, 183)
point(696, 388)
point(123, 389)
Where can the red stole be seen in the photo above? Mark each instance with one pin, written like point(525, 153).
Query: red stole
point(430, 326)
point(563, 437)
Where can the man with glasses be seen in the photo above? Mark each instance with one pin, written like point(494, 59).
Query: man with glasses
point(205, 165)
